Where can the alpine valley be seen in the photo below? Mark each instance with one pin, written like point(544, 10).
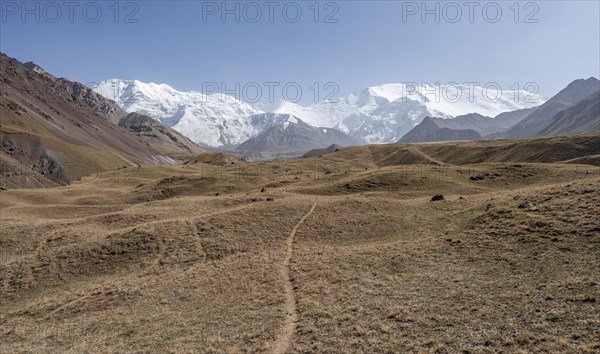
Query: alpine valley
point(138, 218)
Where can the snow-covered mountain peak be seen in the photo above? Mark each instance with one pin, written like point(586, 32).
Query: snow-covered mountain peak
point(390, 92)
point(285, 107)
point(213, 119)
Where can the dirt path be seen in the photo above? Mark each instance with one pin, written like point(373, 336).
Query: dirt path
point(287, 333)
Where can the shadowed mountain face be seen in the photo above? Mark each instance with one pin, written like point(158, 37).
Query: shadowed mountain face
point(541, 117)
point(290, 135)
point(506, 120)
point(438, 129)
point(160, 137)
point(54, 130)
point(468, 127)
point(583, 116)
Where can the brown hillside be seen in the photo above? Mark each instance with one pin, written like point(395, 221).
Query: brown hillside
point(334, 255)
point(54, 124)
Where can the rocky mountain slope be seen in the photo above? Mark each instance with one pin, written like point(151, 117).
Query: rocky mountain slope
point(581, 117)
point(160, 137)
point(55, 130)
point(541, 117)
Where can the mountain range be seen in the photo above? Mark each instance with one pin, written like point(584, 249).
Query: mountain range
point(378, 114)
point(54, 130)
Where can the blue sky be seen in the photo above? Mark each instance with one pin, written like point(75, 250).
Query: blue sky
point(187, 44)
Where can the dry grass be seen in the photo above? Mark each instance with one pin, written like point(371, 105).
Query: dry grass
point(155, 261)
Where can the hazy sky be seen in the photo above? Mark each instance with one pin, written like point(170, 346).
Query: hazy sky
point(354, 44)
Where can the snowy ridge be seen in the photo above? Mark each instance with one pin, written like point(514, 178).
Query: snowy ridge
point(213, 120)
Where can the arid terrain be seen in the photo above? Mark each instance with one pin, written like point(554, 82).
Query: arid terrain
point(340, 253)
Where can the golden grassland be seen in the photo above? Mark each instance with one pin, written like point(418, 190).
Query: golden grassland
point(195, 258)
